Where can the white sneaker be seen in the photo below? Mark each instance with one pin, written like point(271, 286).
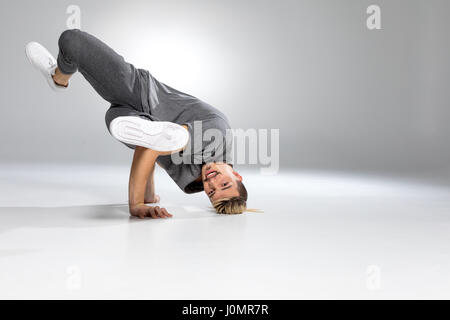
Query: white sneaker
point(44, 62)
point(156, 135)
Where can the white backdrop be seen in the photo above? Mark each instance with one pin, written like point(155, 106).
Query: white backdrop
point(343, 96)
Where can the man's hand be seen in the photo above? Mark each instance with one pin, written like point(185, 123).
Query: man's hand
point(142, 211)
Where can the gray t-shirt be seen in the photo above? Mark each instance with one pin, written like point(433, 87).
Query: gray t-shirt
point(164, 103)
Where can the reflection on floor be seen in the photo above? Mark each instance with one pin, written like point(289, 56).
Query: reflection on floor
point(65, 233)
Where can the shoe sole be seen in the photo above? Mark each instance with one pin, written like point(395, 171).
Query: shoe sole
point(156, 135)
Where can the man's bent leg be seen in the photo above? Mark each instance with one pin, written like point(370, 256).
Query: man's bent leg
point(116, 80)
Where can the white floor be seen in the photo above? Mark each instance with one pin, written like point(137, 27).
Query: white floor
point(65, 233)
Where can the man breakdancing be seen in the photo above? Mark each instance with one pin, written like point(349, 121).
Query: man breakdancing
point(160, 123)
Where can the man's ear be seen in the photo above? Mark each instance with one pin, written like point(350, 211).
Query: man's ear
point(237, 175)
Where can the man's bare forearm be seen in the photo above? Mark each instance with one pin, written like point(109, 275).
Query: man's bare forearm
point(141, 172)
point(142, 168)
point(141, 189)
point(150, 196)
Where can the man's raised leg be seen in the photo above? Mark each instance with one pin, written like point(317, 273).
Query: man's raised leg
point(116, 80)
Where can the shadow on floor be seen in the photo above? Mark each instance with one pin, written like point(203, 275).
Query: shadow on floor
point(84, 216)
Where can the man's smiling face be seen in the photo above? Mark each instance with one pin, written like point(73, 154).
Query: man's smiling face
point(220, 181)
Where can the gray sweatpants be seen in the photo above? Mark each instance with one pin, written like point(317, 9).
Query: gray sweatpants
point(116, 80)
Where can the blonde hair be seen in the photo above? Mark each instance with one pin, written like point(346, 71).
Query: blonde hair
point(234, 205)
